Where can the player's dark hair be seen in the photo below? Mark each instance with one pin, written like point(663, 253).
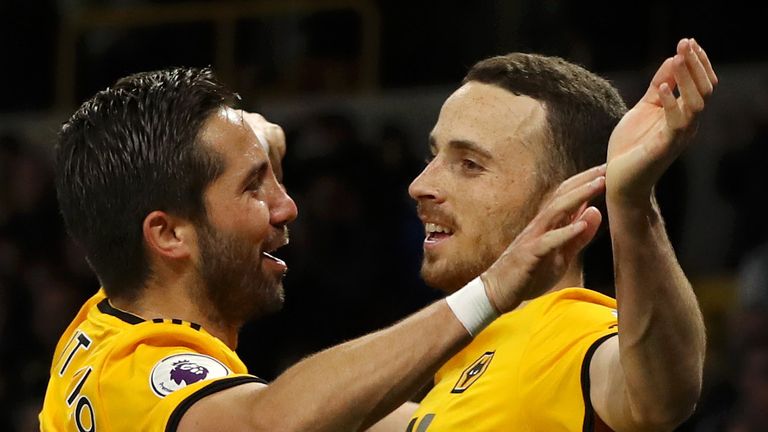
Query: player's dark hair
point(581, 108)
point(130, 150)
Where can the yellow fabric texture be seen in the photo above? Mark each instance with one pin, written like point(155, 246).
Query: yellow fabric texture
point(110, 382)
point(523, 372)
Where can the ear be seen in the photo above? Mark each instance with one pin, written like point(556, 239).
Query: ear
point(169, 236)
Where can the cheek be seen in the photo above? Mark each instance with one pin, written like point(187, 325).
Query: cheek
point(256, 217)
point(492, 218)
point(247, 219)
point(490, 207)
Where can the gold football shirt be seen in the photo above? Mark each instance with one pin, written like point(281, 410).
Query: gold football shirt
point(527, 371)
point(114, 371)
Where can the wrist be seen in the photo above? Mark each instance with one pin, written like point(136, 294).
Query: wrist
point(634, 216)
point(634, 203)
point(472, 306)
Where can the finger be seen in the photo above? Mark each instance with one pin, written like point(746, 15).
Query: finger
point(261, 137)
point(593, 218)
point(271, 138)
point(691, 99)
point(665, 74)
point(578, 212)
point(590, 214)
point(697, 71)
point(276, 137)
point(560, 208)
point(579, 179)
point(705, 61)
point(555, 239)
point(675, 117)
point(257, 124)
point(277, 149)
point(277, 168)
point(254, 119)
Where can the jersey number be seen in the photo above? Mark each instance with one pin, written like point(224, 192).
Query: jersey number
point(85, 416)
point(81, 341)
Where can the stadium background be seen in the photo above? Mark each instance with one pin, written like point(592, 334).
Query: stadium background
point(357, 85)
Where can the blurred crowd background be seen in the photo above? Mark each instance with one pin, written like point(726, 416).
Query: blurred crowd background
point(357, 85)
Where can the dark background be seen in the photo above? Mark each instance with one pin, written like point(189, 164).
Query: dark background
point(357, 85)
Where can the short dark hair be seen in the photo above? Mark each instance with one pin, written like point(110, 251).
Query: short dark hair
point(130, 150)
point(581, 108)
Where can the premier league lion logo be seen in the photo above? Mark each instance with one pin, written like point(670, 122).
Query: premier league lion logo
point(180, 370)
point(187, 372)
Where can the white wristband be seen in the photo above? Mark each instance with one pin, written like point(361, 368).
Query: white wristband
point(472, 306)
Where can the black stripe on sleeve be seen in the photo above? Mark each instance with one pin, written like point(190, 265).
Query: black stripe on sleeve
point(589, 412)
point(214, 387)
point(411, 425)
point(106, 308)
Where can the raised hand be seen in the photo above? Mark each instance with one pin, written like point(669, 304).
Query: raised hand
point(542, 252)
point(272, 139)
point(656, 130)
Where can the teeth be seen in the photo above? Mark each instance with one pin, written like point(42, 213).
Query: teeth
point(272, 257)
point(433, 228)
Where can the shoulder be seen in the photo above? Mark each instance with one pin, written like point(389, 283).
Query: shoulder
point(568, 323)
point(577, 309)
point(158, 370)
point(141, 340)
point(575, 297)
point(168, 355)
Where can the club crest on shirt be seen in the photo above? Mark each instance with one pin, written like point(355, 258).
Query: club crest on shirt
point(473, 372)
point(180, 370)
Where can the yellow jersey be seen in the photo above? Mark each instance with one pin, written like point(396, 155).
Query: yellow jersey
point(527, 371)
point(114, 371)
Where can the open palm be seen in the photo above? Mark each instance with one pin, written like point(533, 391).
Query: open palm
point(654, 132)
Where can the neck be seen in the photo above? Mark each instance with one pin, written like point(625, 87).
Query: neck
point(153, 303)
point(573, 277)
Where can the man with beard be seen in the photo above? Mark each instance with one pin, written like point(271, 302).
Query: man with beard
point(173, 197)
point(565, 361)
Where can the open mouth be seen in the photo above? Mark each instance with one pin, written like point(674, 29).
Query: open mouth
point(436, 233)
point(271, 261)
point(269, 256)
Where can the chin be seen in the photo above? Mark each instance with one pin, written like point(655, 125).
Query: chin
point(270, 301)
point(247, 301)
point(448, 275)
point(439, 277)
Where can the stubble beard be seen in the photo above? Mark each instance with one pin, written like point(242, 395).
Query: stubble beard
point(449, 273)
point(234, 288)
point(452, 270)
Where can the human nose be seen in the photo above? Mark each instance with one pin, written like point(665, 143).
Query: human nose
point(425, 185)
point(283, 210)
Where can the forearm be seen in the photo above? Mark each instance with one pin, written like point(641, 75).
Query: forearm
point(662, 338)
point(397, 420)
point(351, 386)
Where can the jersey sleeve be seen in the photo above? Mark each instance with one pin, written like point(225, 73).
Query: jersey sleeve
point(555, 370)
point(167, 414)
point(151, 379)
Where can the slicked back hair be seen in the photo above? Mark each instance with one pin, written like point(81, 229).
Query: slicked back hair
point(581, 108)
point(132, 149)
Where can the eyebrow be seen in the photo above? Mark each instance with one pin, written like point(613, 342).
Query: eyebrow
point(257, 171)
point(461, 144)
